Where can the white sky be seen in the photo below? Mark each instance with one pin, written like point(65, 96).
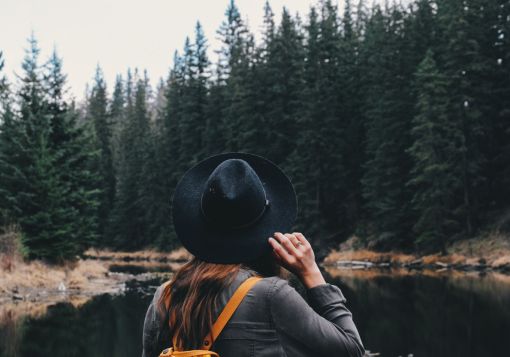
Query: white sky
point(118, 34)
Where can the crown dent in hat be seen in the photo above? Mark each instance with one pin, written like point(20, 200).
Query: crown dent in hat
point(233, 196)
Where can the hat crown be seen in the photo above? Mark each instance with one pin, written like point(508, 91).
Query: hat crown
point(233, 195)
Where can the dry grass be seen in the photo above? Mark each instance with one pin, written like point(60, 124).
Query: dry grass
point(494, 249)
point(27, 276)
point(491, 247)
point(491, 282)
point(179, 254)
point(367, 255)
point(84, 275)
point(11, 250)
point(31, 287)
point(38, 281)
point(149, 265)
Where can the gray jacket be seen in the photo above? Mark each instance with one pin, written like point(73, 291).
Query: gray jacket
point(273, 320)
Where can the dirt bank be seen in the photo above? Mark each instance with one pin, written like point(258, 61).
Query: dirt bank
point(177, 255)
point(30, 287)
point(491, 253)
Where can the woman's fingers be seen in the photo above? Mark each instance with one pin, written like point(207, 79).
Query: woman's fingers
point(302, 239)
point(290, 247)
point(287, 244)
point(298, 246)
point(295, 253)
point(278, 248)
point(293, 239)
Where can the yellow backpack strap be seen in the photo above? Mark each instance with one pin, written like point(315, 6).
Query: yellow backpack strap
point(229, 310)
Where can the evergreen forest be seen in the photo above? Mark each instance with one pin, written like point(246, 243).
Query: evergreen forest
point(392, 121)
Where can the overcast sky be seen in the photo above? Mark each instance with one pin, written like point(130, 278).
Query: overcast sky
point(118, 34)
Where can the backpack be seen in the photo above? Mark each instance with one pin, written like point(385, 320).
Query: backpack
point(218, 325)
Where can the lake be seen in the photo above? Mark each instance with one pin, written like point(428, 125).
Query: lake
point(397, 313)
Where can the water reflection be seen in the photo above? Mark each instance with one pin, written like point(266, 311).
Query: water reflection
point(439, 315)
point(105, 326)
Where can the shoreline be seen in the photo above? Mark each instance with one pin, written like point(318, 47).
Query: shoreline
point(96, 273)
point(492, 254)
point(29, 288)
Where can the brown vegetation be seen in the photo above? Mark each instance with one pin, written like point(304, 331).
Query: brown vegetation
point(177, 255)
point(29, 276)
point(11, 250)
point(29, 287)
point(491, 251)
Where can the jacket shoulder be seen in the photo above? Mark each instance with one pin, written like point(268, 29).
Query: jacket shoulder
point(267, 287)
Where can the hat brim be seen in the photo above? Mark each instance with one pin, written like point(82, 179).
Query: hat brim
point(236, 246)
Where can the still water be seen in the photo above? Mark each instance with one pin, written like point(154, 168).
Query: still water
point(397, 313)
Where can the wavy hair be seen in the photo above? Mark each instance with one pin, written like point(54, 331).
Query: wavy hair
point(189, 300)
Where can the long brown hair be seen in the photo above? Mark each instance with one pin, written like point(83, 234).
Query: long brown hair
point(191, 297)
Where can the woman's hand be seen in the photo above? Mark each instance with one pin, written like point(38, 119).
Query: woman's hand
point(294, 253)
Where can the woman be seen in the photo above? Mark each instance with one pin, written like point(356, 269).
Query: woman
point(228, 211)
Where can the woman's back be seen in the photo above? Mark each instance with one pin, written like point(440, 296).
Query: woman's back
point(226, 210)
point(272, 320)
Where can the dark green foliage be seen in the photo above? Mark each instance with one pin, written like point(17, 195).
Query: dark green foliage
point(46, 182)
point(462, 62)
point(128, 217)
point(437, 172)
point(386, 110)
point(3, 80)
point(342, 103)
point(97, 113)
point(497, 51)
point(393, 123)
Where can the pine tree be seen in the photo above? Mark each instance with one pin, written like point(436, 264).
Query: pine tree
point(436, 173)
point(353, 127)
point(499, 158)
point(6, 111)
point(74, 158)
point(129, 224)
point(285, 60)
point(194, 99)
point(387, 104)
point(27, 178)
point(98, 115)
point(173, 116)
point(170, 163)
point(268, 27)
point(254, 101)
point(116, 115)
point(232, 64)
point(46, 180)
point(233, 34)
point(316, 163)
point(158, 177)
point(491, 25)
point(463, 65)
point(3, 79)
point(6, 129)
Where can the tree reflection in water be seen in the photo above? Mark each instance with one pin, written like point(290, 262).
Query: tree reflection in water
point(105, 326)
point(397, 313)
point(436, 315)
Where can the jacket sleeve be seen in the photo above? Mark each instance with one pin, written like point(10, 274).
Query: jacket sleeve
point(324, 325)
point(155, 330)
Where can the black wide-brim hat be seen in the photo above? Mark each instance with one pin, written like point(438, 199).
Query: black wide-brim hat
point(227, 206)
